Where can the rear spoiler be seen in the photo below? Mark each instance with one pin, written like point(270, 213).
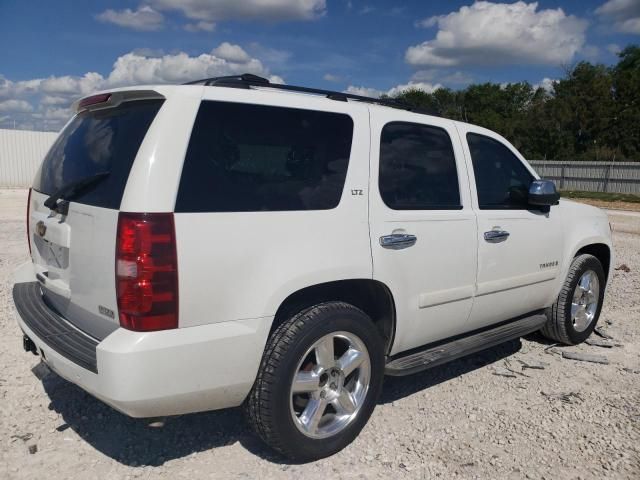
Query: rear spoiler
point(110, 100)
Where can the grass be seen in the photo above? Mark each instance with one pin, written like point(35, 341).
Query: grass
point(602, 196)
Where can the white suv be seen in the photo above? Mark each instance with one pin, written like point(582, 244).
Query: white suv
point(231, 241)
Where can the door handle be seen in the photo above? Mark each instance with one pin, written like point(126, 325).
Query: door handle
point(398, 241)
point(496, 236)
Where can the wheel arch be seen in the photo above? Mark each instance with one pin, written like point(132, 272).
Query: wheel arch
point(371, 296)
point(601, 251)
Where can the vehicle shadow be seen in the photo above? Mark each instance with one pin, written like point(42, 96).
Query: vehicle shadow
point(132, 442)
point(396, 388)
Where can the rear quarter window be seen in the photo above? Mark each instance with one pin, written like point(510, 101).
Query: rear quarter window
point(252, 158)
point(94, 142)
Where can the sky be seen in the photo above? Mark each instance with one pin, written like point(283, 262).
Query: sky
point(57, 51)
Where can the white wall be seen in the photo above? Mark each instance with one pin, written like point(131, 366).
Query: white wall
point(21, 153)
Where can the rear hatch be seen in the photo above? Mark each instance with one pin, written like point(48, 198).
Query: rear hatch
point(73, 239)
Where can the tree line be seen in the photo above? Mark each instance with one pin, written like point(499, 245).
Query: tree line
point(592, 113)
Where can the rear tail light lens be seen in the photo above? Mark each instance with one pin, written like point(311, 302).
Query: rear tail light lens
point(28, 215)
point(147, 271)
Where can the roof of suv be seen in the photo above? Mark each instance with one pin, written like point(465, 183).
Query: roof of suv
point(248, 81)
point(258, 84)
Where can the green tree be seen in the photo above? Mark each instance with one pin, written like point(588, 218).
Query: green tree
point(592, 113)
point(626, 92)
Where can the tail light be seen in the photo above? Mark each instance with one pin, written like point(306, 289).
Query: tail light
point(147, 271)
point(28, 215)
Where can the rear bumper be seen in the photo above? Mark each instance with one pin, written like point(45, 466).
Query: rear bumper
point(48, 325)
point(162, 373)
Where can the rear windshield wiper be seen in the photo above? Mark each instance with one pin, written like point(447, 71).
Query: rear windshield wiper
point(70, 190)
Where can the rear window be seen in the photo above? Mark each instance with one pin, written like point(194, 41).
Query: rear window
point(251, 158)
point(95, 142)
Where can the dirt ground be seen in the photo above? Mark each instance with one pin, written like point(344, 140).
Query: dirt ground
point(571, 420)
point(628, 206)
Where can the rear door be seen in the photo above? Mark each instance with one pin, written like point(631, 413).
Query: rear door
point(423, 229)
point(519, 246)
point(74, 253)
point(270, 201)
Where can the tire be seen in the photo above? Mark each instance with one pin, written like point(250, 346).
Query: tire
point(561, 325)
point(284, 419)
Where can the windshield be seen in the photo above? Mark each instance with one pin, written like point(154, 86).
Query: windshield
point(95, 142)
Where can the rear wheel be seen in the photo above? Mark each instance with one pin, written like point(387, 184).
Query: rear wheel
point(575, 313)
point(319, 381)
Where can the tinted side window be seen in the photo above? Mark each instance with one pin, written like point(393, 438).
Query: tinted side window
point(95, 142)
point(417, 168)
point(502, 180)
point(244, 157)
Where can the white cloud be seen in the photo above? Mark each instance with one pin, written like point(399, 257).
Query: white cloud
point(26, 86)
point(499, 33)
point(547, 84)
point(144, 18)
point(131, 69)
point(11, 89)
point(268, 10)
point(20, 106)
point(6, 86)
point(624, 14)
point(392, 92)
point(364, 91)
point(201, 26)
point(424, 86)
point(53, 100)
point(134, 68)
point(42, 102)
point(232, 53)
point(619, 7)
point(69, 85)
point(630, 25)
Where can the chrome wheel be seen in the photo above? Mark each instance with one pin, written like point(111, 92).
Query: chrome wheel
point(330, 385)
point(584, 303)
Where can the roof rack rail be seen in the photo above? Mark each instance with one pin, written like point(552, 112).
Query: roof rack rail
point(248, 80)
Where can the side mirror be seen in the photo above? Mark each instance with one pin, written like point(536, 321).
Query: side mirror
point(543, 193)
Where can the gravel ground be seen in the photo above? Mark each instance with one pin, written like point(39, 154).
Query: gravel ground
point(571, 420)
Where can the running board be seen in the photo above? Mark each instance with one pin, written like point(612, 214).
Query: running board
point(442, 353)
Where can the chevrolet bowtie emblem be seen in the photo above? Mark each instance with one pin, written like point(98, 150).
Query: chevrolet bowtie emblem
point(41, 228)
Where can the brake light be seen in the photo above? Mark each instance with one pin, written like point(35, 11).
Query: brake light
point(28, 215)
point(147, 271)
point(93, 100)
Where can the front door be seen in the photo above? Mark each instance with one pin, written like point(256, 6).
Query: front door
point(423, 229)
point(519, 246)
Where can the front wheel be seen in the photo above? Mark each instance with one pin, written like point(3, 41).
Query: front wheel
point(574, 315)
point(319, 381)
